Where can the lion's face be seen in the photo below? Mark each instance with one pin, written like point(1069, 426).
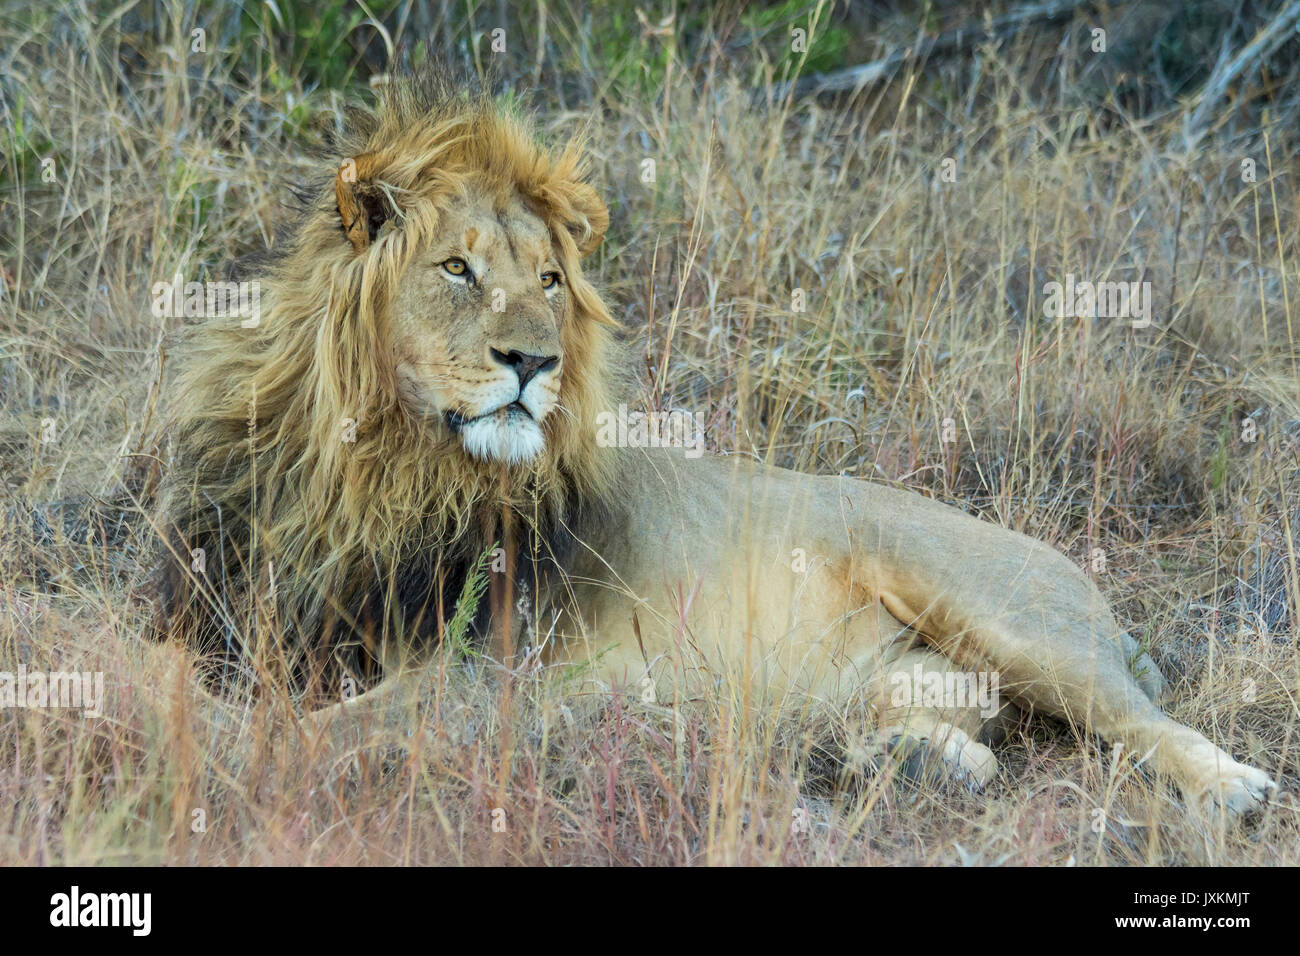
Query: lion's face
point(476, 328)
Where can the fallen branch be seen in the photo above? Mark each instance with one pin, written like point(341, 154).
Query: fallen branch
point(1227, 70)
point(963, 38)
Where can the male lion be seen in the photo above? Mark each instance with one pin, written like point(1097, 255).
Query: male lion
point(424, 383)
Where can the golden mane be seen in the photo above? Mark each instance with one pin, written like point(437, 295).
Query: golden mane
point(266, 480)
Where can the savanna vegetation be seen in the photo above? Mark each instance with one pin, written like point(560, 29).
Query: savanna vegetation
point(842, 270)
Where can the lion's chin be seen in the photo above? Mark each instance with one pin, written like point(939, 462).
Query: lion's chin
point(508, 436)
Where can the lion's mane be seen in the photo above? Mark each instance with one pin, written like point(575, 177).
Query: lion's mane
point(326, 544)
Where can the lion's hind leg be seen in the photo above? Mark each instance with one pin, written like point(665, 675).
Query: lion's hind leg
point(1143, 668)
point(930, 724)
point(1079, 672)
point(929, 752)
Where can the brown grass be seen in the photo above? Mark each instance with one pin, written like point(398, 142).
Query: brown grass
point(924, 304)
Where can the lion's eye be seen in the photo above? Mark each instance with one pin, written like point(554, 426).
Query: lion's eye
point(550, 280)
point(456, 267)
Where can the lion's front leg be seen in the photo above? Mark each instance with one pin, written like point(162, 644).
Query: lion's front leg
point(391, 703)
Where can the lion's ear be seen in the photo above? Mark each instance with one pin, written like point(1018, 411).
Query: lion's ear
point(363, 205)
point(591, 218)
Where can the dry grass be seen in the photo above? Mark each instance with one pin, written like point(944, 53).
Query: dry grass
point(924, 303)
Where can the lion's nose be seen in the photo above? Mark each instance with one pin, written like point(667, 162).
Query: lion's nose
point(524, 364)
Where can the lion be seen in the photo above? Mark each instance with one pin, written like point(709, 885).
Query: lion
point(420, 395)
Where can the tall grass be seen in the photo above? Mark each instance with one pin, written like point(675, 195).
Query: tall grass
point(922, 357)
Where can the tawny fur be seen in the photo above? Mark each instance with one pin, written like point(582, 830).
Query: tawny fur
point(673, 571)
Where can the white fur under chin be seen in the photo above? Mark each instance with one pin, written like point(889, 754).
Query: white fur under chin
point(515, 441)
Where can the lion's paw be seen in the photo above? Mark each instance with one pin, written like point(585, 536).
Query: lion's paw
point(1238, 790)
point(975, 764)
point(937, 757)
